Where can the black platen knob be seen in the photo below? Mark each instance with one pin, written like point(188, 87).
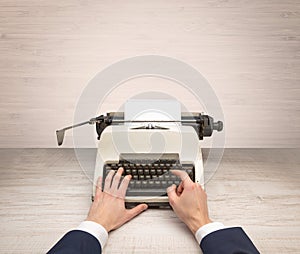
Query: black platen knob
point(218, 126)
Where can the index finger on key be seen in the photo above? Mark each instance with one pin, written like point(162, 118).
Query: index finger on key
point(183, 176)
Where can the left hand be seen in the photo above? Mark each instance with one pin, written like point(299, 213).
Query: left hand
point(108, 208)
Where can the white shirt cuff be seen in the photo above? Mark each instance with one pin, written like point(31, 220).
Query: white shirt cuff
point(207, 229)
point(94, 229)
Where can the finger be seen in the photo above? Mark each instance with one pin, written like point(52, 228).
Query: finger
point(183, 176)
point(172, 194)
point(123, 186)
point(200, 187)
point(116, 180)
point(98, 188)
point(136, 210)
point(179, 189)
point(108, 179)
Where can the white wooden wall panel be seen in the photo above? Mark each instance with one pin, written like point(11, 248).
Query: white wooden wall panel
point(248, 50)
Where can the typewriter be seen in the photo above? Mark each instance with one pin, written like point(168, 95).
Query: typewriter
point(148, 149)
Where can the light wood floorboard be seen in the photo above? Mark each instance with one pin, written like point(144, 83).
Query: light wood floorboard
point(44, 193)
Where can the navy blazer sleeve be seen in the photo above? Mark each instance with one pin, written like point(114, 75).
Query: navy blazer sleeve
point(76, 242)
point(224, 241)
point(228, 241)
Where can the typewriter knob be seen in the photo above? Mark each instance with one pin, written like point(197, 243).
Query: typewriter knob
point(209, 126)
point(218, 126)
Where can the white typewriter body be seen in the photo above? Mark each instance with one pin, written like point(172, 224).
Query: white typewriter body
point(119, 139)
point(154, 131)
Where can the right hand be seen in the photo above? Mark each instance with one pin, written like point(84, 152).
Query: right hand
point(189, 202)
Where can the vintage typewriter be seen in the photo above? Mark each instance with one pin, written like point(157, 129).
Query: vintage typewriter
point(148, 149)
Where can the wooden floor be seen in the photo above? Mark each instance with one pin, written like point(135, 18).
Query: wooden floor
point(44, 193)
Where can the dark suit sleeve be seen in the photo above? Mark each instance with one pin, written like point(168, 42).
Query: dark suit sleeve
point(228, 241)
point(76, 242)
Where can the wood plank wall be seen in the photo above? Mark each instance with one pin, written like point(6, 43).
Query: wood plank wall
point(249, 51)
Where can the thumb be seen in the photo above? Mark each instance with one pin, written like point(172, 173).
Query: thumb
point(136, 210)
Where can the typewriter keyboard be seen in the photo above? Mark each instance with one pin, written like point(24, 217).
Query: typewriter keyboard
point(150, 178)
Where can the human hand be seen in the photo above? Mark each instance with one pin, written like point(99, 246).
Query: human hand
point(108, 208)
point(189, 202)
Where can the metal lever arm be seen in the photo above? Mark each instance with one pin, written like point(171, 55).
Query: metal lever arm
point(60, 134)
